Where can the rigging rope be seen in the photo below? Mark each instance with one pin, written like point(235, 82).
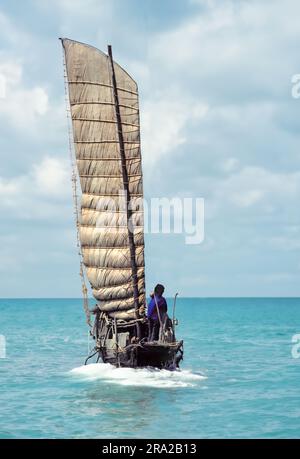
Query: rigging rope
point(75, 199)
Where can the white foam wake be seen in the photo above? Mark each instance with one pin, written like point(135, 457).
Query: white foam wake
point(137, 377)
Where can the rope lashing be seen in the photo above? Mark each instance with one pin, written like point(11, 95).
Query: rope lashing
point(75, 200)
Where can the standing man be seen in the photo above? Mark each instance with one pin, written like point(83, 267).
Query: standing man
point(157, 309)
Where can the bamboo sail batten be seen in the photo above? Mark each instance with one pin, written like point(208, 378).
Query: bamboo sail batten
point(103, 141)
point(107, 247)
point(96, 237)
point(91, 102)
point(92, 120)
point(103, 84)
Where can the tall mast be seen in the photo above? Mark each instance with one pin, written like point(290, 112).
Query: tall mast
point(126, 189)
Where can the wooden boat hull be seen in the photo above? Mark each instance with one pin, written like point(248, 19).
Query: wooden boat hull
point(117, 343)
point(155, 354)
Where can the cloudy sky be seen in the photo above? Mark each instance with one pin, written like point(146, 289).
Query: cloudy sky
point(218, 122)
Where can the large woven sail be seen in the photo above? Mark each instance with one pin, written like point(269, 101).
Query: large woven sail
point(114, 259)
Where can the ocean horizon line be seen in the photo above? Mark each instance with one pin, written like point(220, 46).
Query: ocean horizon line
point(170, 297)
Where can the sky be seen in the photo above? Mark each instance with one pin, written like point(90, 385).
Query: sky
point(218, 121)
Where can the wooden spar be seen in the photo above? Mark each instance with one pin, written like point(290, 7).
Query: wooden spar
point(173, 318)
point(126, 189)
point(117, 341)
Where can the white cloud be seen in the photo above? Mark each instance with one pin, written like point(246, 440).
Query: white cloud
point(41, 194)
point(164, 124)
point(51, 176)
point(10, 33)
point(80, 7)
point(11, 71)
point(230, 164)
point(259, 188)
point(247, 198)
point(222, 57)
point(230, 49)
point(198, 41)
point(21, 106)
point(76, 18)
point(40, 101)
point(235, 58)
point(204, 3)
point(285, 243)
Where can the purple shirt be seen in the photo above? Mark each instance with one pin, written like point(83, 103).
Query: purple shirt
point(152, 310)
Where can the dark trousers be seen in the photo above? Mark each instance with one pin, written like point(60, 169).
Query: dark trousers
point(153, 330)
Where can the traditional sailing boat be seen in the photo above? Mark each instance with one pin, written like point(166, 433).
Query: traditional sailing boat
point(104, 108)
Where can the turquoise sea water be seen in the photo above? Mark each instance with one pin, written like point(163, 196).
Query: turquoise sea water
point(238, 378)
